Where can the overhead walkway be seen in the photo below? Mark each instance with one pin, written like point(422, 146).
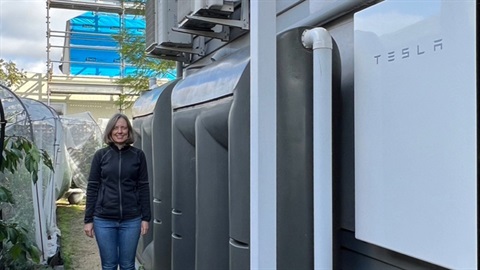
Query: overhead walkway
point(89, 85)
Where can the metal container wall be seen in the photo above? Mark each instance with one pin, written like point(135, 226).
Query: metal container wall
point(152, 125)
point(202, 162)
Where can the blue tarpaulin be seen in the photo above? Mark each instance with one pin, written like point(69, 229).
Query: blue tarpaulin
point(93, 51)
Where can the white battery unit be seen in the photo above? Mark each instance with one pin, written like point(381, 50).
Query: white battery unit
point(416, 130)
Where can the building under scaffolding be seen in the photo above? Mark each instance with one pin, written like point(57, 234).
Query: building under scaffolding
point(90, 63)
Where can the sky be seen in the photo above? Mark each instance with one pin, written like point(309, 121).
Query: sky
point(23, 27)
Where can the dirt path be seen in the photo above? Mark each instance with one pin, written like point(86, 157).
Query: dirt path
point(79, 252)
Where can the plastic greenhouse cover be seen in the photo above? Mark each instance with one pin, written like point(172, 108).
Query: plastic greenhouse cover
point(49, 135)
point(82, 138)
point(20, 183)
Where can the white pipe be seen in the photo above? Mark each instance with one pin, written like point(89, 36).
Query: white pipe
point(320, 41)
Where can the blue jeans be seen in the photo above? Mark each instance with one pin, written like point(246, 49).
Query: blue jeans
point(117, 242)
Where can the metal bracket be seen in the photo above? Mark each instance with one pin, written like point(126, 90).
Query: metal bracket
point(243, 23)
point(224, 35)
point(226, 22)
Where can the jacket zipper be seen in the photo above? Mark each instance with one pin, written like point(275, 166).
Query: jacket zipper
point(119, 183)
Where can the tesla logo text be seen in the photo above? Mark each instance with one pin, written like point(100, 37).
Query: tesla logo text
point(408, 52)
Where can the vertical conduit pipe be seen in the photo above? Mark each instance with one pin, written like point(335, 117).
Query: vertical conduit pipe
point(320, 41)
point(263, 135)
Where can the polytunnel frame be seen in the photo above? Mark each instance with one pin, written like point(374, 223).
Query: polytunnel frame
point(56, 120)
point(38, 237)
point(53, 181)
point(3, 123)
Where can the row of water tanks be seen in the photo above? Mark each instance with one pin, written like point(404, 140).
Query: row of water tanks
point(196, 135)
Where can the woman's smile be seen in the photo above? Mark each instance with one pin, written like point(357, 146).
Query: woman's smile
point(120, 132)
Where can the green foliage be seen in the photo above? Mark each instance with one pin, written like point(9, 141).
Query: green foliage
point(20, 149)
point(138, 6)
point(10, 74)
point(133, 51)
point(5, 195)
point(17, 251)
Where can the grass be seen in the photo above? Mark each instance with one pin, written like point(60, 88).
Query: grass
point(67, 217)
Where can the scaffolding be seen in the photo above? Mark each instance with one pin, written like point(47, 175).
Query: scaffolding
point(66, 83)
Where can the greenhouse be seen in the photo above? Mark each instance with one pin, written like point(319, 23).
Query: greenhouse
point(33, 201)
point(82, 138)
point(69, 141)
point(48, 135)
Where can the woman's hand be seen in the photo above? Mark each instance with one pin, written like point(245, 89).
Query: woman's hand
point(88, 228)
point(145, 225)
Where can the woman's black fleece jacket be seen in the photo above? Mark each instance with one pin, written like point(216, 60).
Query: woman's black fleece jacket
point(118, 185)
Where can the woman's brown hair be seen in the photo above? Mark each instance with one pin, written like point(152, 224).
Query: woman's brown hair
point(107, 135)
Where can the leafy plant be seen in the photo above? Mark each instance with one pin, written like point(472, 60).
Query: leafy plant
point(132, 49)
point(17, 251)
point(10, 74)
point(13, 155)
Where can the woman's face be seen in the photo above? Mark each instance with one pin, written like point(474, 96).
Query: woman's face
point(120, 131)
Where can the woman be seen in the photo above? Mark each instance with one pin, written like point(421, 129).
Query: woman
point(118, 197)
